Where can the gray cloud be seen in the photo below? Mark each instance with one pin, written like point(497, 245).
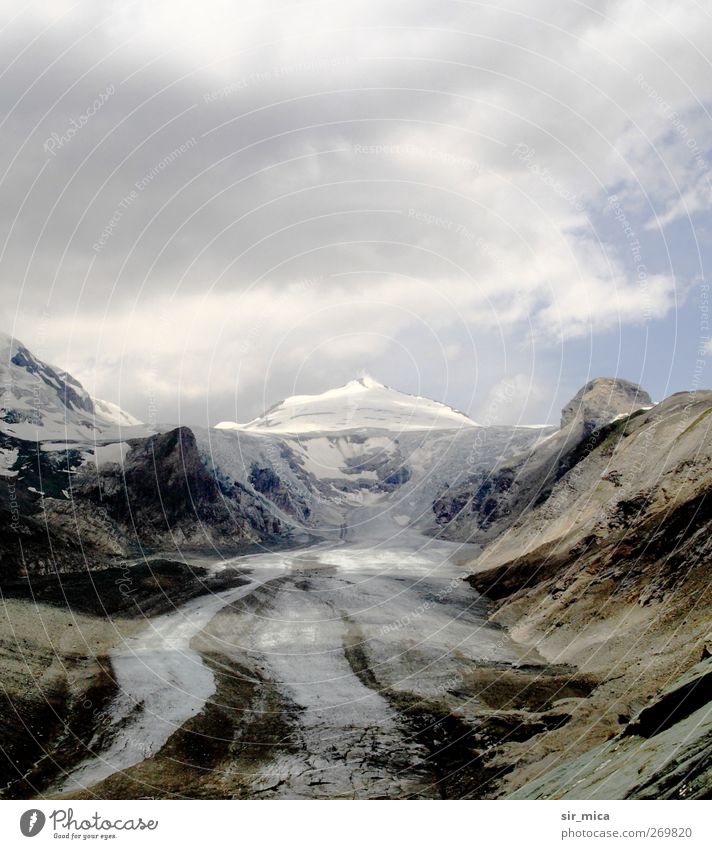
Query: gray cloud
point(277, 200)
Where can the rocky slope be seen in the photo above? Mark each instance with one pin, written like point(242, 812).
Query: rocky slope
point(157, 494)
point(484, 505)
point(609, 570)
point(84, 482)
point(662, 753)
point(162, 494)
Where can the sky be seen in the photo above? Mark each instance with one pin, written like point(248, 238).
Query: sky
point(210, 206)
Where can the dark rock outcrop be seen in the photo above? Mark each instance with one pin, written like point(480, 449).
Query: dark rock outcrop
point(662, 754)
point(268, 483)
point(62, 513)
point(484, 506)
point(163, 493)
point(70, 391)
point(676, 702)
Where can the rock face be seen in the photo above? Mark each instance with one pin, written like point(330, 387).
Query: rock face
point(602, 400)
point(483, 507)
point(160, 496)
point(86, 482)
point(663, 754)
point(610, 572)
point(42, 402)
point(685, 696)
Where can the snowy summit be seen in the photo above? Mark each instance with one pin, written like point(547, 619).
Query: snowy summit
point(358, 405)
point(42, 402)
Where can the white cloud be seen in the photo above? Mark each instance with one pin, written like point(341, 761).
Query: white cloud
point(493, 136)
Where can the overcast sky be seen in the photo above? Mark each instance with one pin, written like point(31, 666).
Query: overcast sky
point(210, 206)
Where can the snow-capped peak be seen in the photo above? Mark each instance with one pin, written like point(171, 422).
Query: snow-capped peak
point(110, 412)
point(42, 402)
point(360, 404)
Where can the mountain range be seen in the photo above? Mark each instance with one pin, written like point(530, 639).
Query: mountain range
point(362, 404)
point(362, 460)
point(592, 538)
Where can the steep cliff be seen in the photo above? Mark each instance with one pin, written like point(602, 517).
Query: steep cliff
point(610, 572)
point(484, 506)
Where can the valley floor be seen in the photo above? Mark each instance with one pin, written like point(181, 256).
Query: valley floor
point(335, 671)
